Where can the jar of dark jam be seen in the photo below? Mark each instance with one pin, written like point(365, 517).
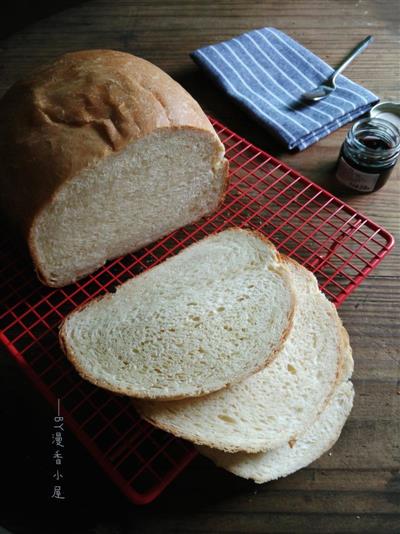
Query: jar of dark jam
point(368, 155)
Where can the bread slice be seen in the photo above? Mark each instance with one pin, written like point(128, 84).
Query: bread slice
point(101, 153)
point(274, 406)
point(319, 438)
point(210, 316)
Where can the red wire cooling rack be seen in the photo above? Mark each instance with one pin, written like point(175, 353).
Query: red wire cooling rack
point(338, 244)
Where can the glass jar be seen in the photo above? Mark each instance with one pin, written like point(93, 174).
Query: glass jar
point(368, 155)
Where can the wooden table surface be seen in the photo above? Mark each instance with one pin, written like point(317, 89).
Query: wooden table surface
point(355, 488)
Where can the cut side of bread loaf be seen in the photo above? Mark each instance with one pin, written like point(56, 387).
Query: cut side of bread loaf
point(102, 153)
point(275, 405)
point(319, 438)
point(208, 317)
point(166, 180)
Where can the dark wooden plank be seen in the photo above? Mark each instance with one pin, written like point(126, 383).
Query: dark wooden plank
point(355, 487)
point(313, 479)
point(270, 522)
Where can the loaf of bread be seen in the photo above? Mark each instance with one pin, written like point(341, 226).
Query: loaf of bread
point(101, 153)
point(211, 315)
point(275, 405)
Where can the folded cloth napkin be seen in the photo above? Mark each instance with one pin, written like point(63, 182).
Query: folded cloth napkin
point(266, 72)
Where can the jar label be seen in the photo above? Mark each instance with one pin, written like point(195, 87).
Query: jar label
point(358, 180)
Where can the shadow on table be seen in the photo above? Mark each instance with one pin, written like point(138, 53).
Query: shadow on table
point(92, 503)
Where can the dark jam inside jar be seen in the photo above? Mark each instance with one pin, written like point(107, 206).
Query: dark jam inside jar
point(375, 143)
point(368, 155)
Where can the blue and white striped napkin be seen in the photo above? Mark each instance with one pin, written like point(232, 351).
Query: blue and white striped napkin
point(266, 72)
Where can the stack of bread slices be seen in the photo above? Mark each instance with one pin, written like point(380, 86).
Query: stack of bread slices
point(228, 344)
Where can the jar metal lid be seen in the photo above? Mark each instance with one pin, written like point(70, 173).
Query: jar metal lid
point(389, 111)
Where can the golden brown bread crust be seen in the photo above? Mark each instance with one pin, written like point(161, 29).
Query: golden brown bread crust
point(81, 108)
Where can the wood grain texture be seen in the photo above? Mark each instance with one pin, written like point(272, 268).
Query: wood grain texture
point(355, 487)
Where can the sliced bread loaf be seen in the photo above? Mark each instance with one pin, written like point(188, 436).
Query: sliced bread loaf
point(269, 408)
point(319, 438)
point(210, 316)
point(101, 153)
